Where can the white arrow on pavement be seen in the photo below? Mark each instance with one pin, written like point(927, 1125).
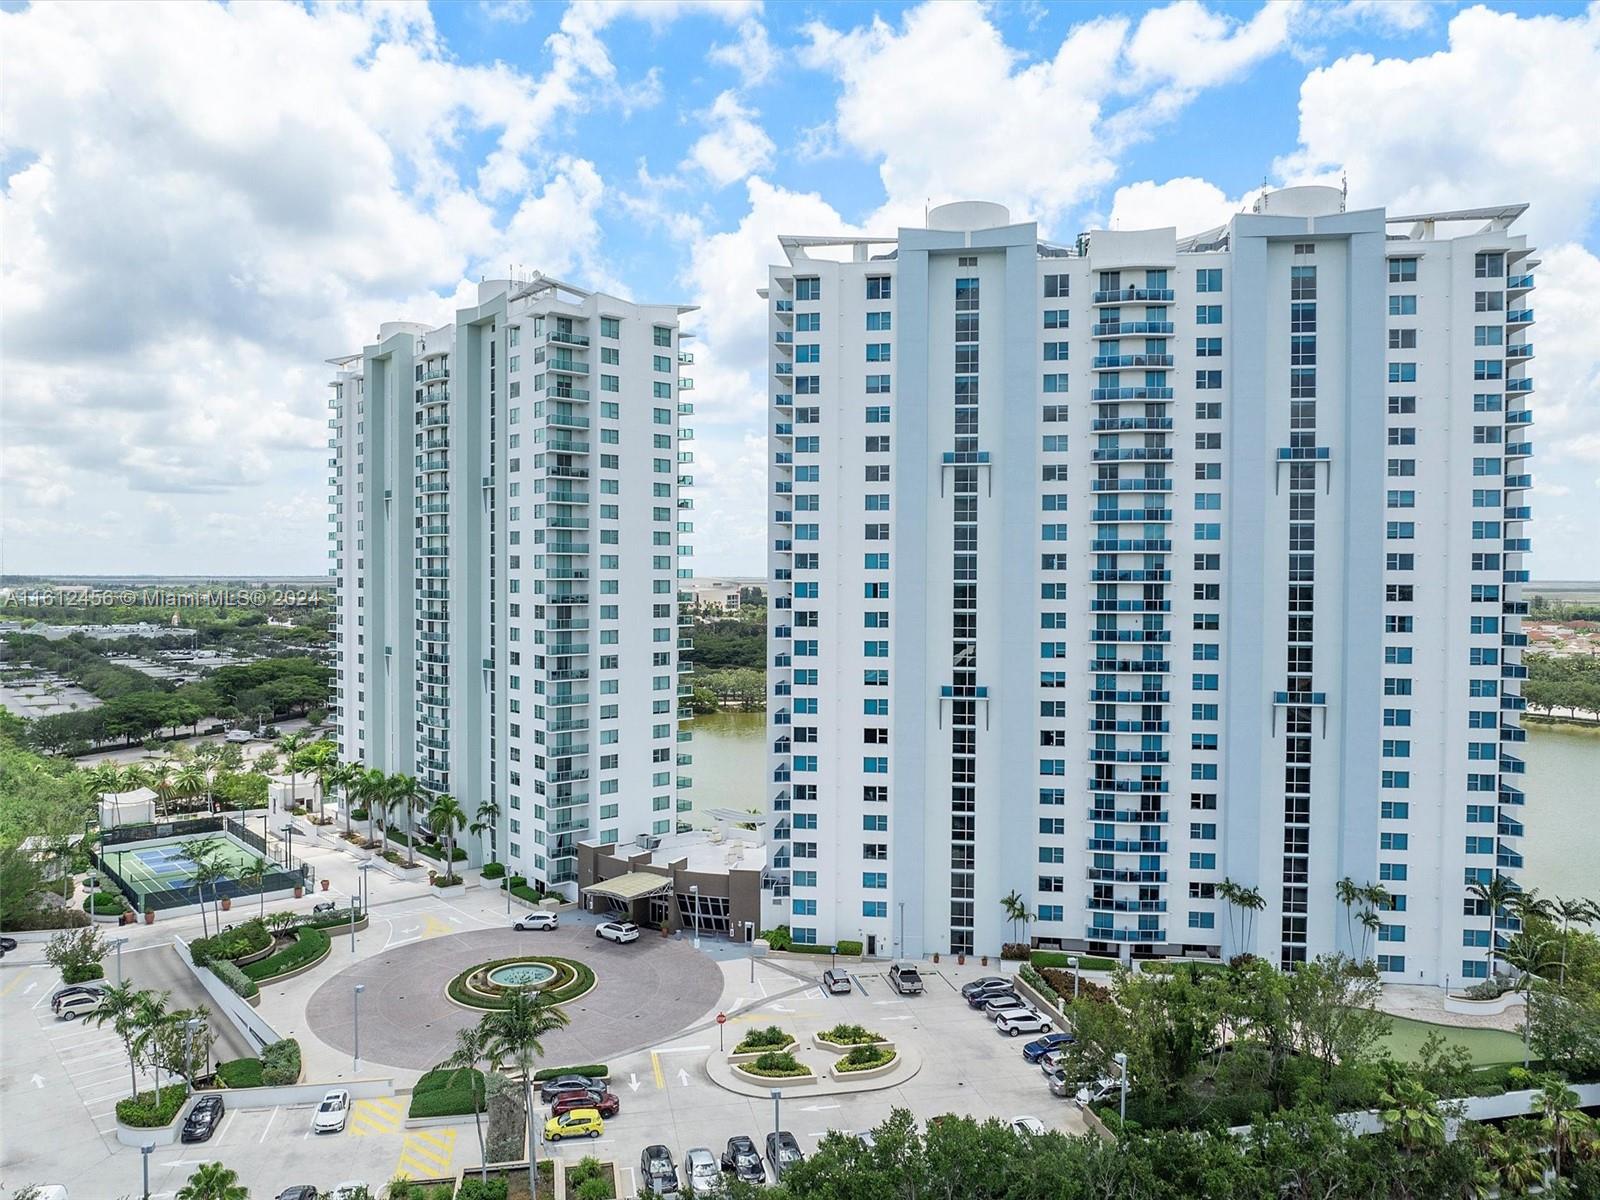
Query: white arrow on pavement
point(37, 1081)
point(633, 1083)
point(683, 1077)
point(776, 1007)
point(894, 1018)
point(30, 987)
point(882, 1002)
point(818, 1107)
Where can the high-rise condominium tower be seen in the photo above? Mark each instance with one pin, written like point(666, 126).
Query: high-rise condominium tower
point(508, 511)
point(1134, 574)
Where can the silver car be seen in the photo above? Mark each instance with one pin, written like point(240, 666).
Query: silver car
point(701, 1171)
point(1002, 1004)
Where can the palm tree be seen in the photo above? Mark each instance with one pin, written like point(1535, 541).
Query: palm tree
point(1228, 892)
point(1530, 957)
point(488, 820)
point(471, 1049)
point(290, 744)
point(1410, 1112)
point(256, 873)
point(1568, 911)
point(342, 777)
point(323, 759)
point(1016, 909)
point(513, 1035)
point(1557, 1105)
point(1495, 896)
point(1250, 902)
point(404, 791)
point(371, 789)
point(190, 781)
point(446, 818)
point(150, 1015)
point(213, 1181)
point(1370, 924)
point(1348, 892)
point(201, 853)
point(103, 777)
point(119, 1007)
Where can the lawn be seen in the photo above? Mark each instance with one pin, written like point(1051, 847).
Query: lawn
point(1488, 1047)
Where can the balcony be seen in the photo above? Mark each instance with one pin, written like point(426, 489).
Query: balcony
point(435, 374)
point(566, 471)
point(1110, 329)
point(783, 306)
point(1116, 362)
point(1132, 546)
point(1519, 316)
point(567, 649)
point(1130, 635)
point(1131, 606)
point(565, 337)
point(783, 368)
point(783, 337)
point(568, 700)
point(567, 548)
point(1133, 454)
point(1116, 424)
point(566, 446)
point(1116, 394)
point(1130, 666)
point(1524, 350)
point(567, 572)
point(567, 366)
point(1519, 385)
point(1099, 575)
point(562, 496)
point(965, 457)
point(1519, 283)
point(1517, 482)
point(1133, 295)
point(1130, 485)
point(1149, 515)
point(1303, 454)
point(561, 391)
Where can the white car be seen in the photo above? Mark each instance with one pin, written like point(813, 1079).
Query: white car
point(537, 920)
point(1098, 1090)
point(619, 932)
point(1051, 1061)
point(1005, 1004)
point(332, 1113)
point(1019, 1021)
point(1031, 1126)
point(701, 1171)
point(238, 735)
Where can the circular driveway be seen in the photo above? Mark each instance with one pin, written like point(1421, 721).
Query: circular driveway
point(643, 992)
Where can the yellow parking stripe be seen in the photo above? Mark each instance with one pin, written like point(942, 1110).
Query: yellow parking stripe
point(444, 1140)
point(376, 1116)
point(655, 1065)
point(21, 975)
point(433, 926)
point(427, 1154)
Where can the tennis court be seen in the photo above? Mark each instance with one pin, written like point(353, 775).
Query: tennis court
point(159, 866)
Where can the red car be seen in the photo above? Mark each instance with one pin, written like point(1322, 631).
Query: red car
point(606, 1102)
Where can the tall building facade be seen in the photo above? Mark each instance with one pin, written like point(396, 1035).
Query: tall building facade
point(508, 535)
point(1123, 574)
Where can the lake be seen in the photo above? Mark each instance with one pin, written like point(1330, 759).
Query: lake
point(1562, 847)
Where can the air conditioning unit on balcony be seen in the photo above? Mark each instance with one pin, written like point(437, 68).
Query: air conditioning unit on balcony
point(647, 841)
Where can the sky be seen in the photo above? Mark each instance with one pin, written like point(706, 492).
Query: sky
point(203, 202)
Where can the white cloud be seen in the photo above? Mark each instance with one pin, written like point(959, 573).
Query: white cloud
point(1192, 205)
point(752, 55)
point(1384, 16)
point(733, 146)
point(1193, 47)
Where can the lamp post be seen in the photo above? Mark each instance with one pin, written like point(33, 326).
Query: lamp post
point(902, 953)
point(750, 939)
point(694, 904)
point(1073, 963)
point(117, 944)
point(144, 1160)
point(358, 901)
point(189, 1027)
point(1122, 1104)
point(777, 1124)
point(288, 845)
point(356, 1003)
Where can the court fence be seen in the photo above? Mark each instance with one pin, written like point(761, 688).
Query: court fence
point(277, 879)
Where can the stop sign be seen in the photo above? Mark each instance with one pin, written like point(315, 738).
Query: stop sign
point(722, 1018)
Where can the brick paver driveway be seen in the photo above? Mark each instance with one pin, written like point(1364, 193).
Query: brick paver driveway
point(644, 992)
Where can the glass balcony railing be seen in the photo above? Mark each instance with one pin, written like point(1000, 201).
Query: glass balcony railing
point(1116, 362)
point(1133, 295)
point(565, 337)
point(1110, 394)
point(1120, 328)
point(567, 366)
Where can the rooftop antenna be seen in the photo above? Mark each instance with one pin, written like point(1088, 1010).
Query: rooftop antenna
point(1344, 190)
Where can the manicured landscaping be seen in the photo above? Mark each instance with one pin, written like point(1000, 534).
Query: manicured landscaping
point(770, 1038)
point(591, 1179)
point(1086, 962)
point(493, 870)
point(775, 1064)
point(447, 1092)
point(520, 889)
point(280, 1063)
point(105, 904)
point(310, 944)
point(472, 988)
point(593, 1071)
point(147, 1111)
point(1484, 1047)
point(240, 1073)
point(865, 1058)
point(238, 982)
point(851, 1035)
point(248, 938)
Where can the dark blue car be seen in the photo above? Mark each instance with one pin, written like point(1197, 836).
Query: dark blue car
point(1039, 1047)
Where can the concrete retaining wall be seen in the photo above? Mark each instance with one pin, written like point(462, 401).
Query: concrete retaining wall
point(869, 1073)
point(1488, 1008)
point(250, 1023)
point(755, 1054)
point(838, 1048)
point(1032, 996)
point(771, 1081)
point(164, 1135)
point(304, 1093)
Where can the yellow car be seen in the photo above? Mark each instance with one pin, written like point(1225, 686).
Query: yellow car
point(580, 1122)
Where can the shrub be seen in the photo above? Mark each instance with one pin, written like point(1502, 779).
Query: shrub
point(779, 938)
point(1489, 989)
point(437, 852)
point(240, 1073)
point(864, 1058)
point(149, 1111)
point(248, 938)
point(494, 870)
point(1036, 981)
point(582, 981)
point(280, 1063)
point(82, 972)
point(1058, 958)
point(850, 947)
point(447, 1092)
point(1016, 952)
point(328, 920)
point(593, 1189)
point(310, 944)
point(589, 1180)
point(770, 1038)
point(358, 814)
point(105, 904)
point(238, 982)
point(1060, 982)
point(593, 1071)
point(524, 892)
point(778, 1064)
point(484, 1189)
point(48, 918)
point(77, 954)
point(851, 1035)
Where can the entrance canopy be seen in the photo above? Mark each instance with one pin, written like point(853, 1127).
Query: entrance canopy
point(635, 885)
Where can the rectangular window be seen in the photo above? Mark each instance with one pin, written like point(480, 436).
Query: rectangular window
point(878, 287)
point(1208, 279)
point(1402, 270)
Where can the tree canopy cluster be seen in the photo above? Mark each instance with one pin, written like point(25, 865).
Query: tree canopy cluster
point(1556, 682)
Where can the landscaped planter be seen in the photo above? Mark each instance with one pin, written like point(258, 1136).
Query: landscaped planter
point(1488, 1008)
point(159, 1135)
point(876, 1072)
point(736, 1059)
point(565, 1187)
point(776, 1081)
point(446, 892)
point(841, 1048)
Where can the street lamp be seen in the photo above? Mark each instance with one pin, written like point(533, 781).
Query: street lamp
point(189, 1027)
point(694, 904)
point(777, 1124)
point(356, 1004)
point(144, 1160)
point(358, 901)
point(117, 944)
point(1122, 1070)
point(902, 953)
point(1073, 963)
point(288, 845)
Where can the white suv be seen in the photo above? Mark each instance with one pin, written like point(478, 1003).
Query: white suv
point(1019, 1021)
point(618, 931)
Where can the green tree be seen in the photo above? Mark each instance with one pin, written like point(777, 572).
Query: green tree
point(1410, 1114)
point(471, 1049)
point(21, 882)
point(1493, 897)
point(77, 954)
point(487, 820)
point(405, 792)
point(213, 1181)
point(203, 872)
point(256, 876)
point(1016, 910)
point(150, 1014)
point(289, 745)
point(1557, 1107)
point(447, 818)
point(119, 1007)
point(514, 1035)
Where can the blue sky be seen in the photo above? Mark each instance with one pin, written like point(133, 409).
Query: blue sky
point(204, 204)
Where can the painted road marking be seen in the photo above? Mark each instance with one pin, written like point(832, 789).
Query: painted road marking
point(655, 1065)
point(427, 1153)
point(375, 1117)
point(21, 975)
point(264, 1132)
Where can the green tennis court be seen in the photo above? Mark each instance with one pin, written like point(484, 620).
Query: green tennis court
point(159, 866)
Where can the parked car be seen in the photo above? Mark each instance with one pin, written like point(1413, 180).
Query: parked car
point(577, 1122)
point(1052, 1060)
point(782, 1151)
point(93, 988)
point(977, 985)
point(1019, 1021)
point(742, 1158)
point(78, 1004)
point(549, 1089)
point(238, 735)
point(7, 944)
point(608, 1103)
point(537, 920)
point(836, 981)
point(1099, 1089)
point(202, 1120)
point(332, 1113)
point(620, 932)
point(700, 1172)
point(1010, 1002)
point(1059, 1084)
point(300, 1191)
point(1050, 1043)
point(324, 906)
point(1031, 1126)
point(905, 979)
point(982, 996)
point(658, 1176)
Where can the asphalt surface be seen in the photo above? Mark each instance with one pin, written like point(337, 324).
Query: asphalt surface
point(160, 969)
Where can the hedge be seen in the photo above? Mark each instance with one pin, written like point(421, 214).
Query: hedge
point(583, 980)
point(493, 870)
point(447, 1092)
point(240, 1073)
point(48, 918)
point(850, 947)
point(83, 973)
point(851, 1035)
point(864, 1058)
point(149, 1111)
point(331, 920)
point(105, 904)
point(428, 850)
point(491, 1189)
point(280, 1063)
point(238, 982)
point(770, 1038)
point(593, 1071)
point(776, 1065)
point(310, 944)
point(1086, 962)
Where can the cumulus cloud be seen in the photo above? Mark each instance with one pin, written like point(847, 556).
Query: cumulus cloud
point(734, 145)
point(752, 55)
point(1191, 205)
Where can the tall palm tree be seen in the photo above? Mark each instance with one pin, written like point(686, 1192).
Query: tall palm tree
point(150, 1016)
point(290, 744)
point(322, 757)
point(1568, 911)
point(513, 1035)
point(470, 1050)
point(135, 775)
point(1495, 895)
point(1016, 909)
point(1250, 902)
point(103, 777)
point(342, 776)
point(256, 873)
point(119, 1007)
point(189, 781)
point(213, 1181)
point(446, 818)
point(488, 819)
point(403, 791)
point(371, 789)
point(1557, 1105)
point(1229, 892)
point(1410, 1112)
point(201, 852)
